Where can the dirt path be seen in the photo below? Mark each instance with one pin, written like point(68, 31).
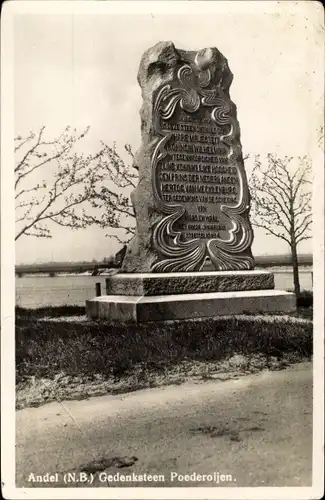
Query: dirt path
point(257, 429)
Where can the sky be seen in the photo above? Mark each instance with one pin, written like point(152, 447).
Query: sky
point(80, 69)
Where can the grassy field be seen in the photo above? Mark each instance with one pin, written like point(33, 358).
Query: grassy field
point(60, 353)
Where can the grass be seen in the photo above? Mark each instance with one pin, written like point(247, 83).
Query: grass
point(60, 353)
point(46, 348)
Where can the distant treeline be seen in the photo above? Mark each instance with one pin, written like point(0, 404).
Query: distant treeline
point(64, 267)
point(95, 267)
point(282, 260)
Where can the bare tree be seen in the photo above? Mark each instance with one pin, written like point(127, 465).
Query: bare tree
point(70, 179)
point(77, 191)
point(113, 197)
point(281, 202)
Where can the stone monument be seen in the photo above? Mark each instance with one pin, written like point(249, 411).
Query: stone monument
point(191, 254)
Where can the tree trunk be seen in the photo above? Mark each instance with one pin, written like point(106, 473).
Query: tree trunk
point(295, 268)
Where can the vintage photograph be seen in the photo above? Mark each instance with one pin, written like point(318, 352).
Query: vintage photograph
point(162, 225)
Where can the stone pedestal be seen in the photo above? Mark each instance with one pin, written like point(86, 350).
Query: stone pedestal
point(160, 297)
point(153, 284)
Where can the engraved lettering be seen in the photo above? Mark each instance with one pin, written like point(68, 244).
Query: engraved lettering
point(196, 169)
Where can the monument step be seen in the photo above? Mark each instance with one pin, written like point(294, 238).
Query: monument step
point(152, 284)
point(123, 308)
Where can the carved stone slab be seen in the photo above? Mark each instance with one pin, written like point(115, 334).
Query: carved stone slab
point(150, 284)
point(192, 200)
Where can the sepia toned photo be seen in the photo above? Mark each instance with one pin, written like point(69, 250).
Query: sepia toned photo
point(162, 249)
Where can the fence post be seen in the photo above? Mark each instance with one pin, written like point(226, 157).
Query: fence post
point(98, 290)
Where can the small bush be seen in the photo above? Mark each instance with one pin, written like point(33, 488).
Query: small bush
point(305, 299)
point(49, 312)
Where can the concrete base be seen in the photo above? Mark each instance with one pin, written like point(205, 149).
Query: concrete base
point(123, 308)
point(153, 284)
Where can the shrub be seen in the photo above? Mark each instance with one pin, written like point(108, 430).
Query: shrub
point(305, 299)
point(49, 312)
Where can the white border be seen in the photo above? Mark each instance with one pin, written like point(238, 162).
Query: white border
point(9, 10)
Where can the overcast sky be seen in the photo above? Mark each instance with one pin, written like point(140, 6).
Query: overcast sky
point(80, 70)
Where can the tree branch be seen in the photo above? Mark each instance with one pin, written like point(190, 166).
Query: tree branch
point(272, 232)
point(307, 237)
point(77, 180)
point(30, 151)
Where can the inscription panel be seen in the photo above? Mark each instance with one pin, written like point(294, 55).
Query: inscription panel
point(198, 177)
point(196, 174)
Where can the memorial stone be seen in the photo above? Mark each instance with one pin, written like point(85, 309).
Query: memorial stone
point(191, 253)
point(192, 200)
